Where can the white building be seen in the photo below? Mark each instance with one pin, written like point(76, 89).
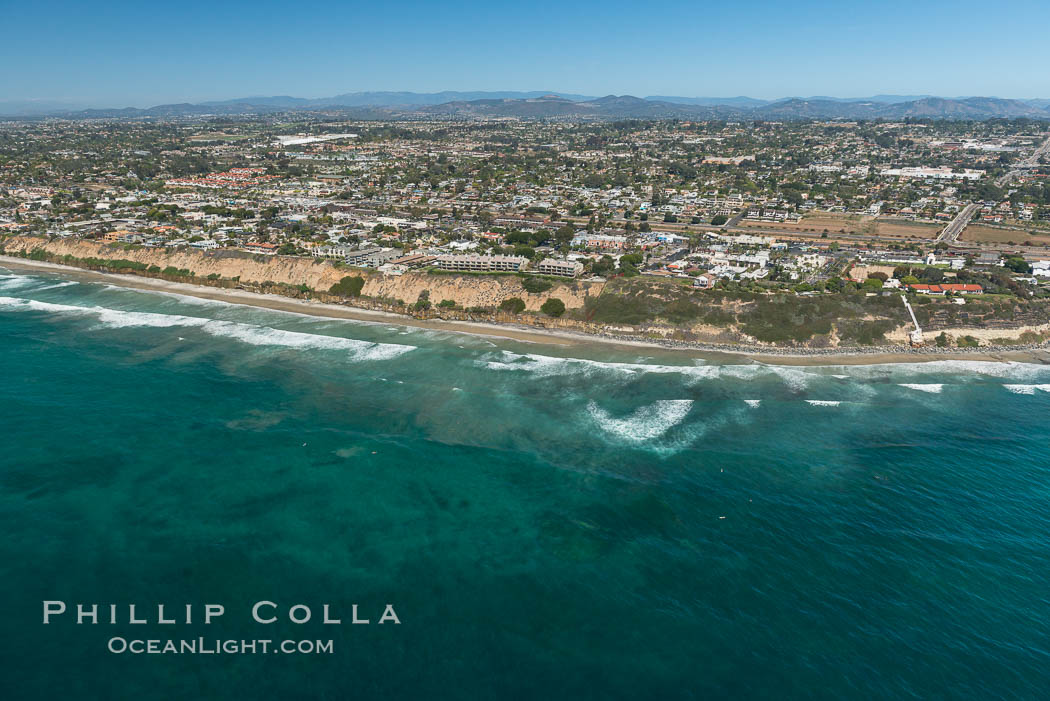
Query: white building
point(481, 263)
point(564, 268)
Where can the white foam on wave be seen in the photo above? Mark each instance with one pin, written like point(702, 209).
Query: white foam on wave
point(118, 318)
point(646, 423)
point(246, 333)
point(187, 299)
point(16, 282)
point(550, 366)
point(753, 403)
point(985, 368)
point(266, 336)
point(930, 388)
point(34, 305)
point(796, 379)
point(1027, 389)
point(822, 402)
point(57, 286)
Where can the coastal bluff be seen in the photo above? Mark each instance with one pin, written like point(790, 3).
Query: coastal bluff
point(636, 309)
point(465, 290)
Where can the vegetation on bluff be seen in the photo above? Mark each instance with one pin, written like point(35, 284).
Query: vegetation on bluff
point(514, 305)
point(852, 316)
point(553, 307)
point(536, 285)
point(349, 286)
point(732, 312)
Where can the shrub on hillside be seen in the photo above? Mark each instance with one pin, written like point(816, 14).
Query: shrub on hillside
point(514, 305)
point(349, 286)
point(553, 307)
point(535, 284)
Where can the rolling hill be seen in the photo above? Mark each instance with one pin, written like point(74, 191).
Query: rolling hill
point(549, 105)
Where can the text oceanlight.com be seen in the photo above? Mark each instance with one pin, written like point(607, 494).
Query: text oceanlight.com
point(203, 646)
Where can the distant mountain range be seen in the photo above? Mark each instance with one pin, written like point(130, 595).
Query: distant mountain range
point(551, 105)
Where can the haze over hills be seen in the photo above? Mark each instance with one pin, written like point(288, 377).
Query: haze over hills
point(555, 105)
point(392, 99)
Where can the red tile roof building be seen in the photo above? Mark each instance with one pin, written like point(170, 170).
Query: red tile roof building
point(943, 288)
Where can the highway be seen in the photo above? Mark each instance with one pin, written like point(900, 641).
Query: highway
point(1021, 166)
point(956, 226)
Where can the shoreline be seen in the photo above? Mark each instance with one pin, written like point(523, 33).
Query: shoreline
point(526, 334)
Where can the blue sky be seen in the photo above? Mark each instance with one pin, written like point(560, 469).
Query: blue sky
point(138, 54)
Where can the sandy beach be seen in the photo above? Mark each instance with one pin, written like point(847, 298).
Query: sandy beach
point(534, 335)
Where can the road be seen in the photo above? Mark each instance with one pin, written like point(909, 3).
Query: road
point(956, 226)
point(734, 221)
point(1021, 166)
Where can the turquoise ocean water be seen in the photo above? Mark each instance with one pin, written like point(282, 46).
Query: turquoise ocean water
point(612, 525)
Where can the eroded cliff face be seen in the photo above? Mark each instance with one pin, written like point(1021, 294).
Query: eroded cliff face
point(465, 290)
point(475, 290)
point(228, 264)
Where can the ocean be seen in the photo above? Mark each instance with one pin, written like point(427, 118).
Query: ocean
point(548, 522)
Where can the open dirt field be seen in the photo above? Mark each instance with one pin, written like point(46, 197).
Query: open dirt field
point(834, 224)
point(817, 225)
point(979, 233)
point(906, 229)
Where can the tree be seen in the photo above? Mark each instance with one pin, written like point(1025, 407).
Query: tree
point(563, 236)
point(553, 307)
point(603, 266)
point(349, 286)
point(719, 220)
point(535, 284)
point(629, 264)
point(1018, 265)
point(423, 301)
point(872, 284)
point(931, 275)
point(514, 305)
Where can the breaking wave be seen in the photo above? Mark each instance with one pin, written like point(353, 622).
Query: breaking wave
point(57, 286)
point(1027, 389)
point(646, 423)
point(796, 378)
point(551, 366)
point(985, 368)
point(822, 402)
point(246, 333)
point(930, 388)
point(184, 298)
point(15, 282)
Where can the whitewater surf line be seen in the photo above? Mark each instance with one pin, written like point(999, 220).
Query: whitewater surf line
point(247, 333)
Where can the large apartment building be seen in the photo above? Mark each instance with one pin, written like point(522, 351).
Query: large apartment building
point(564, 268)
point(481, 263)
